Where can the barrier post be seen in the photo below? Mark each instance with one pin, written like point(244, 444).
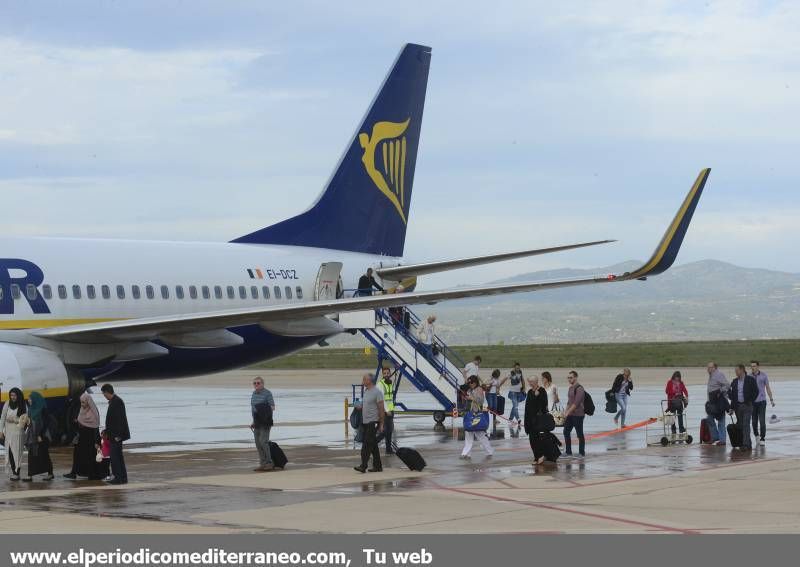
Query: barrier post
point(346, 419)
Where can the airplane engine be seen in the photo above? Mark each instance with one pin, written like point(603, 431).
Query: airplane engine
point(32, 368)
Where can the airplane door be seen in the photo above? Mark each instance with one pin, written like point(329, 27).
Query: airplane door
point(327, 281)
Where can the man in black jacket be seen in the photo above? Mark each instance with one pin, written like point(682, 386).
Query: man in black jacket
point(117, 431)
point(743, 392)
point(367, 283)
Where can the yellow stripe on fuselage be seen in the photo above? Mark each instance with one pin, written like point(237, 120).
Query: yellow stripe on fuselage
point(45, 323)
point(676, 222)
point(48, 393)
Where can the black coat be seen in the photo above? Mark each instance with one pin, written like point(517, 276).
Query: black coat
point(618, 384)
point(535, 405)
point(367, 283)
point(750, 391)
point(117, 420)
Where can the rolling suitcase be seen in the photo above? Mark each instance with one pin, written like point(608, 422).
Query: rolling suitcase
point(278, 456)
point(735, 435)
point(411, 458)
point(500, 405)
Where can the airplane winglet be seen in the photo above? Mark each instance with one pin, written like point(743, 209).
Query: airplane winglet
point(670, 244)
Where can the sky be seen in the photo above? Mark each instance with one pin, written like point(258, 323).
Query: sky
point(545, 123)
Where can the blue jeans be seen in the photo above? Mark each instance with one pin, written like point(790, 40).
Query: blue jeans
point(622, 402)
point(491, 401)
point(575, 422)
point(514, 404)
point(716, 426)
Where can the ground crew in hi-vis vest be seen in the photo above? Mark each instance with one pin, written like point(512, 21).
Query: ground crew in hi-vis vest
point(386, 384)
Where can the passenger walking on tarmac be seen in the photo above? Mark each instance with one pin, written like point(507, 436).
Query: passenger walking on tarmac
point(516, 392)
point(118, 432)
point(622, 387)
point(386, 386)
point(744, 391)
point(38, 437)
point(366, 283)
point(262, 408)
point(493, 390)
point(677, 399)
point(372, 424)
point(535, 406)
point(475, 400)
point(574, 415)
point(717, 391)
point(84, 451)
point(12, 431)
point(760, 405)
point(552, 391)
point(472, 369)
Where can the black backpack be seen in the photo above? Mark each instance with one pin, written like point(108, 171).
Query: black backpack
point(588, 403)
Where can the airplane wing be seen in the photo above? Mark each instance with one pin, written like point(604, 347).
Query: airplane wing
point(152, 327)
point(398, 273)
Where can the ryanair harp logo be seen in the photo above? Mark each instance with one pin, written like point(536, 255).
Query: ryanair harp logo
point(387, 145)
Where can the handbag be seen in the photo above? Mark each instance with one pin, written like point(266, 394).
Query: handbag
point(558, 415)
point(476, 421)
point(545, 422)
point(99, 456)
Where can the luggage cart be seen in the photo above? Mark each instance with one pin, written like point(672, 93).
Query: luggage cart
point(662, 434)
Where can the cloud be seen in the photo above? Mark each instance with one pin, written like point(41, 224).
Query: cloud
point(543, 124)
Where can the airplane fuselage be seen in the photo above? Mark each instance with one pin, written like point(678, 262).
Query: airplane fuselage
point(55, 282)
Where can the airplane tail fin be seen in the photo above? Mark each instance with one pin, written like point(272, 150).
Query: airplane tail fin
point(365, 204)
point(667, 250)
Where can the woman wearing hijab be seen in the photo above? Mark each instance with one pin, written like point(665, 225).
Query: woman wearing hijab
point(84, 453)
point(37, 438)
point(11, 431)
point(535, 407)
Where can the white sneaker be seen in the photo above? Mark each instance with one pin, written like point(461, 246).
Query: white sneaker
point(762, 443)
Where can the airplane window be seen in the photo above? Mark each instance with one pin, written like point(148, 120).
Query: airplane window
point(136, 292)
point(193, 292)
point(76, 292)
point(90, 292)
point(30, 291)
point(206, 292)
point(265, 291)
point(217, 292)
point(299, 292)
point(148, 291)
point(179, 291)
point(288, 292)
point(105, 291)
point(242, 292)
point(14, 291)
point(165, 292)
point(47, 291)
point(277, 291)
point(62, 291)
point(231, 292)
point(121, 291)
point(254, 291)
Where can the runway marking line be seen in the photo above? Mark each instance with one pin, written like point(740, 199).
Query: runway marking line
point(607, 517)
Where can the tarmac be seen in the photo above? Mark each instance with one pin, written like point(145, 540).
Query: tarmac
point(622, 486)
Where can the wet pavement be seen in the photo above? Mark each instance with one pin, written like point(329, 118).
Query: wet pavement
point(191, 470)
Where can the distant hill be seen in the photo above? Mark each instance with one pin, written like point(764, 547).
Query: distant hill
point(704, 300)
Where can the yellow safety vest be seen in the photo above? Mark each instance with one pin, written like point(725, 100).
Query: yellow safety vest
point(388, 395)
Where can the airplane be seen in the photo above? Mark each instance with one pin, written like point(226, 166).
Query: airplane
point(73, 311)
